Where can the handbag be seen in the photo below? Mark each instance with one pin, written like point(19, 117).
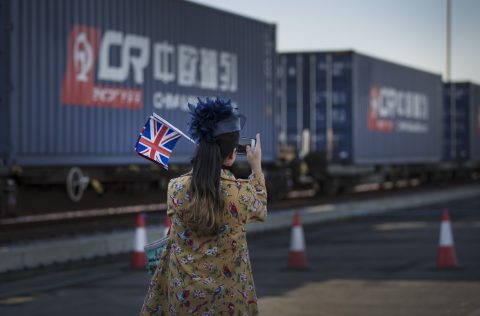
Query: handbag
point(154, 252)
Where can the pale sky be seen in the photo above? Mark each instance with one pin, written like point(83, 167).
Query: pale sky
point(409, 32)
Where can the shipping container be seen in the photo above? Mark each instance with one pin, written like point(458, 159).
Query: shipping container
point(359, 110)
point(80, 78)
point(462, 122)
point(4, 88)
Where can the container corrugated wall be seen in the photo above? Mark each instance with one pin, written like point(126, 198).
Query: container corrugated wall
point(293, 103)
point(4, 86)
point(475, 124)
point(456, 122)
point(398, 113)
point(87, 74)
point(362, 110)
point(462, 122)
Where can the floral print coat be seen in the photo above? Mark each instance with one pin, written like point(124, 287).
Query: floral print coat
point(209, 275)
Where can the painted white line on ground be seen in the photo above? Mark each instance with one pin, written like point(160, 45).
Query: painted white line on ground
point(58, 251)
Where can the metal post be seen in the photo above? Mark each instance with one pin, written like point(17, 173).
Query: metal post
point(453, 123)
point(448, 43)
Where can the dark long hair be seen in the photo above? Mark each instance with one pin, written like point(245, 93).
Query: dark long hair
point(206, 208)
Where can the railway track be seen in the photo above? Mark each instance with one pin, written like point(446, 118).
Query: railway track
point(61, 224)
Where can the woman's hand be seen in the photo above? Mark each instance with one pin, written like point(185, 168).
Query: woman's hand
point(254, 156)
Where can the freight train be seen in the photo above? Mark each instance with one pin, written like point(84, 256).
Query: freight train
point(79, 78)
point(355, 118)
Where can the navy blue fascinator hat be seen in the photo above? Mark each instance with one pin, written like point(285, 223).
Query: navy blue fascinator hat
point(211, 118)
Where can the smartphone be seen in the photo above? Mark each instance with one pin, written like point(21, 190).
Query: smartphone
point(243, 143)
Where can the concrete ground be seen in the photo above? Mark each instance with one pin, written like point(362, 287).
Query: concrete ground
point(376, 266)
point(369, 266)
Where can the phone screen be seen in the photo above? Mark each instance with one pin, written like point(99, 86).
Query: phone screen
point(242, 145)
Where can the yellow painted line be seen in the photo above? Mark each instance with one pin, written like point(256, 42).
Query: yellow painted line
point(17, 300)
point(49, 217)
point(400, 225)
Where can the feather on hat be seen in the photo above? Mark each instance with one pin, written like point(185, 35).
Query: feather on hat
point(211, 118)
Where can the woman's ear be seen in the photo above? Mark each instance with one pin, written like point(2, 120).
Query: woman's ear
point(231, 158)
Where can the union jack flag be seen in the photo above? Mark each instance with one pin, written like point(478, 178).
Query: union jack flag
point(157, 140)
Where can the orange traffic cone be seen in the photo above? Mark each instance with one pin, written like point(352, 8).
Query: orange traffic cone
point(446, 257)
point(138, 258)
point(297, 258)
point(166, 223)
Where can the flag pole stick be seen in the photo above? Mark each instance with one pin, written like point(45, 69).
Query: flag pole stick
point(157, 117)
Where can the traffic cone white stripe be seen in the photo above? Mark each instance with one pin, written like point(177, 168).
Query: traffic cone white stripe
point(297, 241)
point(297, 258)
point(446, 238)
point(140, 239)
point(138, 259)
point(446, 256)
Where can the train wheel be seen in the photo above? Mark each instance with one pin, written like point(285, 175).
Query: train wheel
point(76, 184)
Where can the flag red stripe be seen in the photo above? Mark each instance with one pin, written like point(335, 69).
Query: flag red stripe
point(153, 146)
point(160, 134)
point(175, 135)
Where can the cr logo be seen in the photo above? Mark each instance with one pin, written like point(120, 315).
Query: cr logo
point(83, 57)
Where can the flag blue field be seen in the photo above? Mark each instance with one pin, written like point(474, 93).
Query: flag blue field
point(157, 140)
